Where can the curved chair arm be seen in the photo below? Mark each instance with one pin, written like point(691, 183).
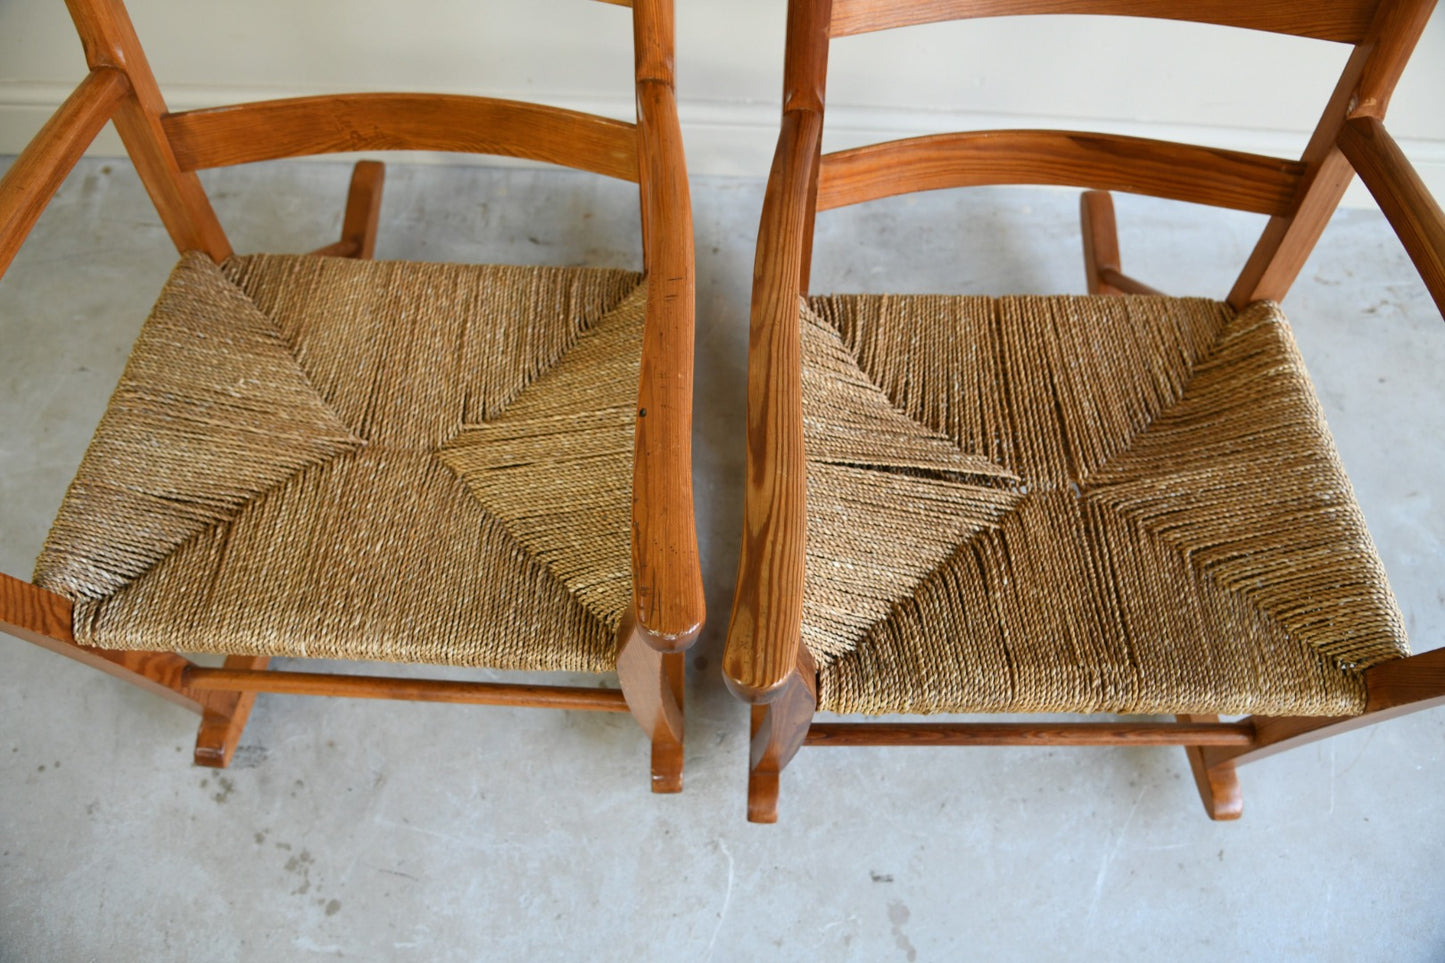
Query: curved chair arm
point(666, 572)
point(765, 632)
point(1402, 196)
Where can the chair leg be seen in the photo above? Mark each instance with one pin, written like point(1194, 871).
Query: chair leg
point(779, 728)
point(652, 683)
point(1101, 239)
point(667, 754)
point(1101, 248)
point(363, 210)
point(225, 718)
point(363, 207)
point(1218, 783)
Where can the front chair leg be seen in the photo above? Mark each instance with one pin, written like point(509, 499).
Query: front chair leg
point(224, 718)
point(778, 729)
point(652, 683)
point(1218, 783)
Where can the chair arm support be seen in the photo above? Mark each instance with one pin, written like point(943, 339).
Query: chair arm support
point(765, 631)
point(38, 172)
point(666, 573)
point(1402, 196)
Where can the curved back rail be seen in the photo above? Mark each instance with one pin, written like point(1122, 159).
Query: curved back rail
point(273, 129)
point(1345, 22)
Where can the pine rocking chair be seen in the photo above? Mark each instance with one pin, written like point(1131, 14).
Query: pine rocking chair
point(334, 457)
point(1123, 503)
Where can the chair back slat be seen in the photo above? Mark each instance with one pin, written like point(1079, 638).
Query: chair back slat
point(1344, 22)
point(273, 129)
point(1222, 178)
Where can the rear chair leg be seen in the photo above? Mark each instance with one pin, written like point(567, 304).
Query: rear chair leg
point(1101, 239)
point(1218, 784)
point(1102, 267)
point(778, 729)
point(363, 210)
point(225, 718)
point(652, 683)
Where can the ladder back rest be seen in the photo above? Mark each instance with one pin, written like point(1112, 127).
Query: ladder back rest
point(1298, 194)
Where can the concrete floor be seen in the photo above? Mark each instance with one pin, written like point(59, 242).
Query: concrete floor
point(383, 831)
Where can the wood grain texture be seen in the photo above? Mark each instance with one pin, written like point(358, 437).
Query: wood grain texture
point(421, 690)
point(651, 682)
point(666, 570)
point(1101, 239)
point(765, 630)
point(44, 619)
point(1218, 785)
point(1394, 689)
point(35, 176)
point(109, 40)
point(779, 730)
point(363, 207)
point(1402, 196)
point(1344, 22)
point(271, 129)
point(1029, 734)
point(653, 30)
point(1245, 182)
point(225, 718)
point(1364, 88)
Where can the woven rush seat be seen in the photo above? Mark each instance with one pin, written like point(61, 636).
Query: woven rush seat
point(339, 458)
point(1067, 504)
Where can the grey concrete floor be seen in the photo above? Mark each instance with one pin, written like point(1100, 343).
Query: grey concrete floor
point(395, 831)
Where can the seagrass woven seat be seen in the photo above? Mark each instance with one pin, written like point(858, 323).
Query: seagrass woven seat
point(1123, 503)
point(324, 456)
point(1078, 504)
point(346, 459)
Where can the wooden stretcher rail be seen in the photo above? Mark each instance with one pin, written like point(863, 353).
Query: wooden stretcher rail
point(272, 129)
point(424, 690)
point(1344, 22)
point(35, 176)
point(1221, 178)
point(1030, 734)
point(1402, 196)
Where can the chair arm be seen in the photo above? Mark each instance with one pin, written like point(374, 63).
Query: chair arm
point(1402, 196)
point(765, 631)
point(666, 574)
point(38, 172)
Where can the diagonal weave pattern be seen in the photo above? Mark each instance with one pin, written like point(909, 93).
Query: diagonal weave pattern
point(274, 473)
point(1170, 532)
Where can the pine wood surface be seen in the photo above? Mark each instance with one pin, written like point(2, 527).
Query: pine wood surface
point(388, 687)
point(666, 569)
point(1402, 196)
point(109, 40)
point(293, 127)
point(1344, 22)
point(764, 635)
point(1222, 178)
point(35, 176)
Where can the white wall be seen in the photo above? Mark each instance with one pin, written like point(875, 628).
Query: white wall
point(1205, 84)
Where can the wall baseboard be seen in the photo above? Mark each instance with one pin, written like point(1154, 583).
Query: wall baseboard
point(732, 139)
